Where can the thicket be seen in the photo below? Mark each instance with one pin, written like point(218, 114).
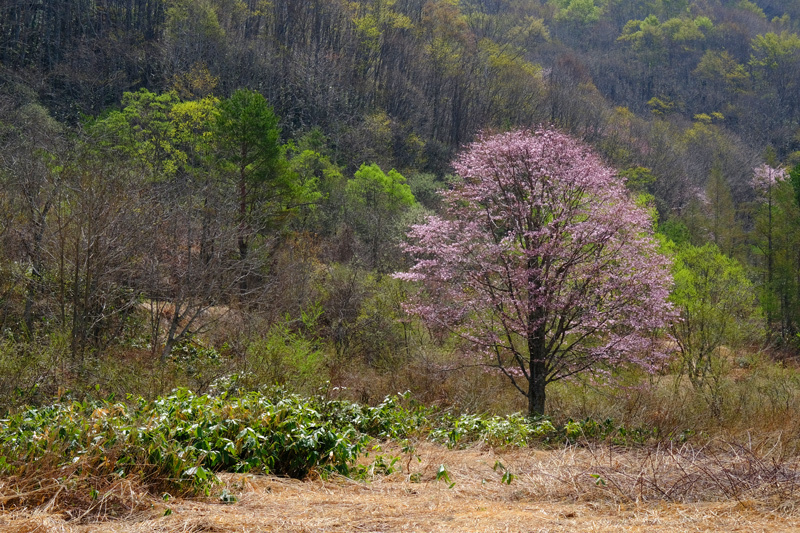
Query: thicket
point(103, 458)
point(176, 445)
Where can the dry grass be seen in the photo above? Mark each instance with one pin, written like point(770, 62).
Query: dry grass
point(70, 497)
point(659, 489)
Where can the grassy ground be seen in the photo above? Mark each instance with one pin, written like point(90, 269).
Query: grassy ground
point(601, 489)
point(738, 470)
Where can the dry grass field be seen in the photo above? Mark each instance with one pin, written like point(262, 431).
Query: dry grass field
point(574, 489)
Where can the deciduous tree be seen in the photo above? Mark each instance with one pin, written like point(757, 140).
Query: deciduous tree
point(376, 201)
point(717, 307)
point(542, 262)
point(767, 182)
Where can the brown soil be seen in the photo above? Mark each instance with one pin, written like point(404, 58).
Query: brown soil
point(566, 490)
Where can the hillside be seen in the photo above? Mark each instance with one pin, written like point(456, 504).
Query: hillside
point(405, 82)
point(132, 226)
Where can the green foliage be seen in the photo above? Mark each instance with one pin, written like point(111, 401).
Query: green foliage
point(198, 364)
point(775, 243)
point(320, 182)
point(794, 177)
point(579, 11)
point(496, 431)
point(656, 42)
point(442, 474)
point(425, 187)
point(248, 136)
point(643, 34)
point(144, 132)
point(685, 30)
point(198, 17)
point(396, 417)
point(514, 83)
point(675, 232)
point(376, 202)
point(371, 186)
point(192, 123)
point(638, 178)
point(182, 440)
point(373, 19)
point(515, 430)
point(592, 430)
point(507, 476)
point(720, 67)
point(771, 50)
point(284, 357)
point(712, 217)
point(661, 106)
point(420, 77)
point(747, 5)
point(314, 170)
point(251, 156)
point(718, 312)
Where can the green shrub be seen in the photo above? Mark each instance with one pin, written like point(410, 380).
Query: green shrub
point(283, 357)
point(511, 430)
point(607, 430)
point(180, 441)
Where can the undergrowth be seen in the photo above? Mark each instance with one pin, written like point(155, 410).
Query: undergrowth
point(97, 458)
point(180, 442)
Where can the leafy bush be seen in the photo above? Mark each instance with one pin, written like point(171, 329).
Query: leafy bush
point(390, 419)
point(181, 440)
point(515, 430)
point(511, 430)
point(284, 357)
point(607, 430)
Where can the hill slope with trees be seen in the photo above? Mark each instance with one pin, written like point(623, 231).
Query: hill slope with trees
point(195, 189)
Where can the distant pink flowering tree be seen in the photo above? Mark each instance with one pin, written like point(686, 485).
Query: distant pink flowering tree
point(542, 262)
point(765, 178)
point(767, 181)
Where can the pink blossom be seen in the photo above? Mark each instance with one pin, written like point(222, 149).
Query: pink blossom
point(765, 177)
point(542, 260)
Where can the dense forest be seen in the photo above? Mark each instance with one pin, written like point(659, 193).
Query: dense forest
point(199, 189)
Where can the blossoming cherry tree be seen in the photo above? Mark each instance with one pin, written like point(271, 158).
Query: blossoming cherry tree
point(542, 262)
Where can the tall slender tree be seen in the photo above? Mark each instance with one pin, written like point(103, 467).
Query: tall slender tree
point(767, 182)
point(248, 141)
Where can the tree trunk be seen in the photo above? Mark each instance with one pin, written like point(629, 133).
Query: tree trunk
point(172, 335)
point(537, 351)
point(536, 389)
point(537, 343)
point(242, 237)
point(37, 265)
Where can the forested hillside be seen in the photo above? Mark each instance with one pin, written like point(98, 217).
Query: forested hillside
point(199, 189)
point(410, 80)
